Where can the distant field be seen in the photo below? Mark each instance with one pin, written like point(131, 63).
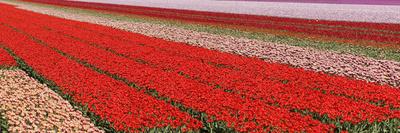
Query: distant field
point(368, 2)
point(343, 12)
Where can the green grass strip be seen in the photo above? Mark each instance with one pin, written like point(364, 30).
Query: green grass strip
point(3, 122)
point(9, 68)
point(372, 52)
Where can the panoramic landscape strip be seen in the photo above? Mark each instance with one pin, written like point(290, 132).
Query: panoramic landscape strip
point(366, 2)
point(77, 71)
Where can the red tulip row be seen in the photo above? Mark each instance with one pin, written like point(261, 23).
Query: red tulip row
point(243, 114)
point(327, 28)
point(6, 59)
point(112, 100)
point(286, 95)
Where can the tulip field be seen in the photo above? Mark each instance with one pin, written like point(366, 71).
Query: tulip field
point(63, 75)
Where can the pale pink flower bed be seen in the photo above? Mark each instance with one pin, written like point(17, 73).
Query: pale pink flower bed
point(32, 107)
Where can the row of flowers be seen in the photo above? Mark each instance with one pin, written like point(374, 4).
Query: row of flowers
point(6, 59)
point(115, 101)
point(244, 114)
point(337, 29)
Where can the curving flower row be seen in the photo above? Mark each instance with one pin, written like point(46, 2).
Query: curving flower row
point(6, 59)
